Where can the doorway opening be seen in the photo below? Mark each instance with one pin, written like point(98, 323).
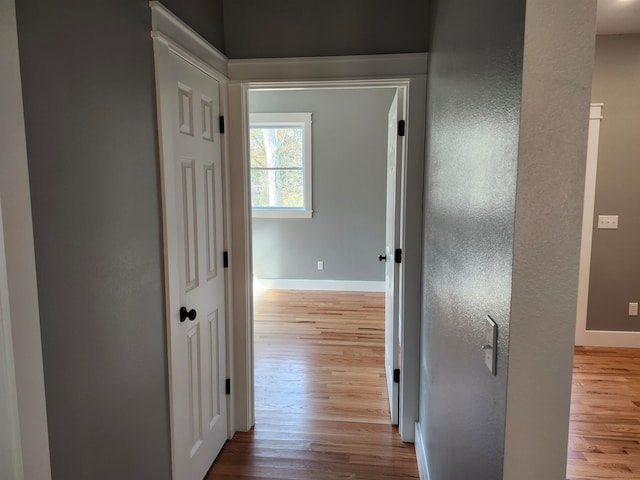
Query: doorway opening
point(318, 171)
point(412, 91)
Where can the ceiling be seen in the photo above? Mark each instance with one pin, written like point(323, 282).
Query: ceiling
point(618, 17)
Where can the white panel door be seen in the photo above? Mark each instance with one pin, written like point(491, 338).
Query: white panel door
point(192, 197)
point(391, 335)
point(10, 449)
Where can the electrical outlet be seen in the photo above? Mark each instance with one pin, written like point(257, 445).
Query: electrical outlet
point(608, 222)
point(320, 265)
point(633, 309)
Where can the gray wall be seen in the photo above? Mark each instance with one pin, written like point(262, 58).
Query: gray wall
point(506, 147)
point(347, 231)
point(295, 28)
point(473, 109)
point(88, 81)
point(204, 16)
point(554, 116)
point(615, 279)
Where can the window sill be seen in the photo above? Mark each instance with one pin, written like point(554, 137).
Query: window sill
point(281, 213)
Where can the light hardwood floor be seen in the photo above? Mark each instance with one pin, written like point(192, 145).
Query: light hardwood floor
point(604, 433)
point(321, 402)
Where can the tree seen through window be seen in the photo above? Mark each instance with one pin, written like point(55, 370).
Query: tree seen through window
point(277, 166)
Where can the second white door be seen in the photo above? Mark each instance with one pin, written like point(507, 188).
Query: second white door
point(392, 283)
point(192, 197)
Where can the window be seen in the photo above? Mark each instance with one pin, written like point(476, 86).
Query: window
point(280, 149)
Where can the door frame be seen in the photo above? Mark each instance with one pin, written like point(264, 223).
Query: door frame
point(393, 287)
point(20, 259)
point(171, 35)
point(591, 170)
point(406, 72)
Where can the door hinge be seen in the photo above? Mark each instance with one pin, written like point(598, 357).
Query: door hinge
point(221, 123)
point(397, 256)
point(396, 375)
point(227, 386)
point(401, 128)
point(225, 259)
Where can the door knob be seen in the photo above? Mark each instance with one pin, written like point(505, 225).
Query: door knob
point(184, 314)
point(382, 258)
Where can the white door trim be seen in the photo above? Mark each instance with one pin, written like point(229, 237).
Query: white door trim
point(171, 33)
point(591, 170)
point(20, 258)
point(10, 446)
point(178, 33)
point(296, 75)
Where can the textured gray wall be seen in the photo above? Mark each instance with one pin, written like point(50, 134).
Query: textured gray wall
point(298, 28)
point(88, 81)
point(615, 279)
point(204, 16)
point(506, 148)
point(347, 231)
point(554, 116)
point(473, 110)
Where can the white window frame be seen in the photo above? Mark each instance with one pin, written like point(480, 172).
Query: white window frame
point(283, 120)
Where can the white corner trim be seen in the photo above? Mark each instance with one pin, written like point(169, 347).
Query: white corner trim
point(584, 271)
point(10, 437)
point(332, 285)
point(604, 338)
point(167, 26)
point(316, 68)
point(595, 111)
point(421, 454)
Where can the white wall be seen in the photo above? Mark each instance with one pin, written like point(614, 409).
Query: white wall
point(18, 238)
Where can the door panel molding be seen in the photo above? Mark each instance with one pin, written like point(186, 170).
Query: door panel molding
point(189, 165)
point(173, 35)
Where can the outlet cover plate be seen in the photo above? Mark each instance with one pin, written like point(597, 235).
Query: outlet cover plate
point(607, 222)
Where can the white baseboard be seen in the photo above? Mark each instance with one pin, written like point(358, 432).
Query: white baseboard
point(334, 285)
point(421, 454)
point(604, 338)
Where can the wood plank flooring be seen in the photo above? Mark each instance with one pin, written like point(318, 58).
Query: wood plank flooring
point(321, 401)
point(604, 433)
